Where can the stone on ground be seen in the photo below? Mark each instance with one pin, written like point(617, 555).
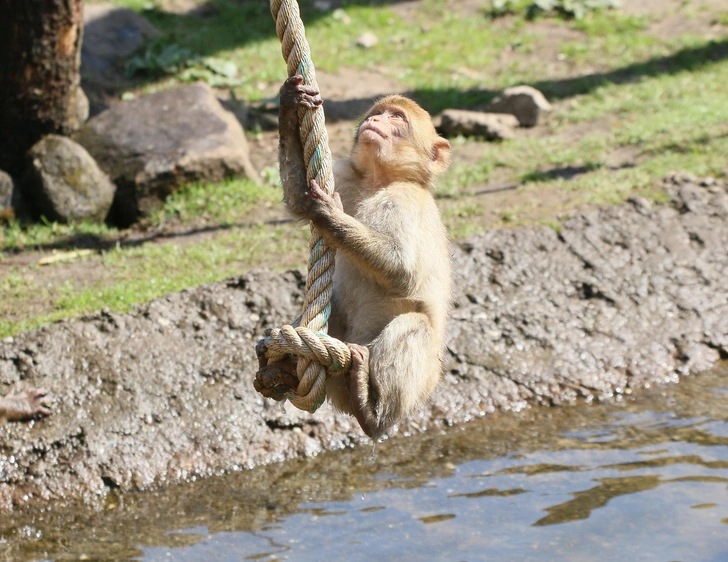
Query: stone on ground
point(64, 183)
point(491, 126)
point(6, 197)
point(525, 102)
point(152, 145)
point(111, 34)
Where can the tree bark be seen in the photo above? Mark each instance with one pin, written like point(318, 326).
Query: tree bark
point(40, 56)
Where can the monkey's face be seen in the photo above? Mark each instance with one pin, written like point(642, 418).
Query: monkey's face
point(397, 137)
point(383, 127)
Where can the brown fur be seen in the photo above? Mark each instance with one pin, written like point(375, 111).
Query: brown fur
point(392, 282)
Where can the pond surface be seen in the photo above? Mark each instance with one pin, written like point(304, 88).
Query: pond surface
point(643, 479)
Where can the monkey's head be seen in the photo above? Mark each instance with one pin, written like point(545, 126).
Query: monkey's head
point(397, 136)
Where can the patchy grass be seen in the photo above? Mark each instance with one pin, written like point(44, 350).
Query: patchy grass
point(203, 233)
point(672, 121)
point(121, 277)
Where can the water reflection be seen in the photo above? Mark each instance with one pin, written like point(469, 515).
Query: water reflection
point(584, 502)
point(643, 479)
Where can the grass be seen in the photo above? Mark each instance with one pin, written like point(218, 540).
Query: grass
point(629, 107)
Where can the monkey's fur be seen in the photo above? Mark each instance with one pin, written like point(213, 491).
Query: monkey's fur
point(392, 280)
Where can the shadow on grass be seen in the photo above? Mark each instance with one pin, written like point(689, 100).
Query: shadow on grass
point(685, 60)
point(213, 26)
point(104, 243)
point(437, 100)
point(220, 25)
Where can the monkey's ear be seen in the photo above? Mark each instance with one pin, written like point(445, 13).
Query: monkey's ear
point(440, 156)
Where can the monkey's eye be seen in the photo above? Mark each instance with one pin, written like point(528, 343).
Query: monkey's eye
point(398, 115)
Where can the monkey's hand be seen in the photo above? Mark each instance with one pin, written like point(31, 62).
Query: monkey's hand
point(320, 207)
point(29, 404)
point(296, 94)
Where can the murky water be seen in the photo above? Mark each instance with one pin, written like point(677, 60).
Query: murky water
point(641, 479)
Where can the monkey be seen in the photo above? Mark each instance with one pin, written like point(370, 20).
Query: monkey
point(392, 280)
point(25, 405)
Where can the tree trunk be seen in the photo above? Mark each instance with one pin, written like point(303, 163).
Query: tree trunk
point(40, 55)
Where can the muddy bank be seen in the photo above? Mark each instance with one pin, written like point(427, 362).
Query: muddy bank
point(619, 299)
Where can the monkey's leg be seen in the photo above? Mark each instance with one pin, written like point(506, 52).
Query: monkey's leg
point(401, 372)
point(24, 405)
point(276, 379)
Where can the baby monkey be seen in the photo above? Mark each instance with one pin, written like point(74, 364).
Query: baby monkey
point(392, 279)
point(25, 405)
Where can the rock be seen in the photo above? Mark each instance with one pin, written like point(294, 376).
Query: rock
point(188, 8)
point(525, 102)
point(491, 126)
point(367, 40)
point(151, 145)
point(65, 183)
point(6, 197)
point(111, 34)
point(78, 110)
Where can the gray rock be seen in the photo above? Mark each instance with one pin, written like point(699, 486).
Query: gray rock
point(111, 34)
point(6, 197)
point(621, 298)
point(65, 183)
point(152, 145)
point(525, 102)
point(491, 126)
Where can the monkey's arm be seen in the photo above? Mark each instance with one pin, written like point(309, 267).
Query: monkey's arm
point(25, 405)
point(388, 256)
point(294, 94)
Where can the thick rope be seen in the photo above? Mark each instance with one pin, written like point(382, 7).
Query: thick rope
point(318, 354)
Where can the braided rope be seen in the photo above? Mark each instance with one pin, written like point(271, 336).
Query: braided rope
point(318, 354)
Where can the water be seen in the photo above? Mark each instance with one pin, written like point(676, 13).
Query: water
point(642, 479)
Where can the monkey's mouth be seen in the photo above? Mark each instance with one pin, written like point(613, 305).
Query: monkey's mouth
point(372, 128)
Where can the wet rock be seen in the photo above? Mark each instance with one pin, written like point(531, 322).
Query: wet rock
point(619, 299)
point(152, 145)
point(491, 126)
point(527, 104)
point(6, 197)
point(65, 183)
point(111, 35)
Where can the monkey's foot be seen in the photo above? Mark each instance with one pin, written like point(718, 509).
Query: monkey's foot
point(25, 405)
point(359, 385)
point(275, 380)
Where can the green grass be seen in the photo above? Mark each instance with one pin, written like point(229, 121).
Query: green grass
point(617, 89)
point(133, 275)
